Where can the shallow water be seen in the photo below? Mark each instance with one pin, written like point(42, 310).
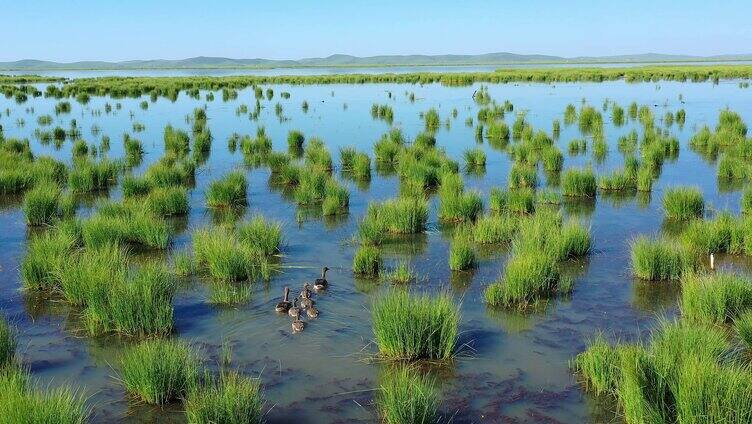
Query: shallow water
point(513, 367)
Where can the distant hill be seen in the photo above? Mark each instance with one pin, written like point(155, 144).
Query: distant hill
point(355, 61)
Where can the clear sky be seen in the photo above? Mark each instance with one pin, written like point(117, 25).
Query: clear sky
point(115, 30)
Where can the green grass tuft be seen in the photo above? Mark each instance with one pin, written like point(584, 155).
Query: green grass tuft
point(367, 261)
point(405, 396)
point(683, 203)
point(159, 371)
point(229, 191)
point(415, 326)
point(233, 399)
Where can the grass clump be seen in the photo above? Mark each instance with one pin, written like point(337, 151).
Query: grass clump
point(140, 305)
point(599, 366)
point(367, 261)
point(460, 207)
point(683, 203)
point(229, 191)
point(261, 235)
point(168, 201)
point(22, 401)
point(512, 201)
point(159, 371)
point(743, 328)
point(405, 396)
point(219, 253)
point(45, 256)
point(661, 259)
point(233, 399)
point(461, 254)
point(475, 158)
point(393, 217)
point(45, 203)
point(401, 274)
point(526, 279)
point(8, 343)
point(494, 229)
point(125, 223)
point(715, 298)
point(578, 182)
point(415, 326)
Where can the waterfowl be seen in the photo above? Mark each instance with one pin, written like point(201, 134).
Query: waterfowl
point(306, 292)
point(312, 312)
point(294, 310)
point(321, 283)
point(306, 302)
point(285, 304)
point(297, 326)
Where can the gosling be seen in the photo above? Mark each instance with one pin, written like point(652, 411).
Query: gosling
point(297, 326)
point(312, 312)
point(294, 310)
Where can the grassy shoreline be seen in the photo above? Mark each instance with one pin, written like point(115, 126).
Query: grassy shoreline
point(171, 86)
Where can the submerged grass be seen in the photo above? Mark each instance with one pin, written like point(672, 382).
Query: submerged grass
point(415, 326)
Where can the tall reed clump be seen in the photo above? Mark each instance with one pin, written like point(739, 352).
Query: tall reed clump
point(159, 371)
point(168, 201)
point(86, 176)
point(139, 305)
point(520, 201)
point(228, 256)
point(661, 259)
point(578, 182)
point(715, 298)
point(683, 375)
point(406, 396)
point(460, 207)
point(683, 203)
point(475, 159)
point(22, 400)
point(125, 223)
point(461, 253)
point(415, 326)
point(232, 399)
point(393, 217)
point(367, 261)
point(527, 278)
point(261, 234)
point(45, 203)
point(46, 255)
point(495, 229)
point(229, 191)
point(8, 343)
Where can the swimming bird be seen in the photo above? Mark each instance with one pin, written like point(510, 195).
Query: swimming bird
point(312, 312)
point(297, 326)
point(295, 310)
point(285, 304)
point(321, 283)
point(306, 292)
point(306, 303)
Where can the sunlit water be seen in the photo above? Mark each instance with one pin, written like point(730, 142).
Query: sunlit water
point(512, 368)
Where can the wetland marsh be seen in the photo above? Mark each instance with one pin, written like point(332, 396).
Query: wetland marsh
point(531, 215)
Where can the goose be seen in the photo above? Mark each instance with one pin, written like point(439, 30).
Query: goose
point(285, 304)
point(321, 283)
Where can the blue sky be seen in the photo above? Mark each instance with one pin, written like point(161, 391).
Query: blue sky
point(140, 29)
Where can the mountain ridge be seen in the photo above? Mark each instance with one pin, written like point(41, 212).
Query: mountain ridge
point(344, 60)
